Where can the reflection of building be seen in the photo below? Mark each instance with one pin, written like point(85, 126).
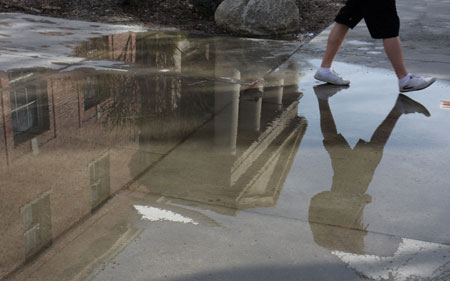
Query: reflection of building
point(69, 140)
point(29, 107)
point(237, 159)
point(55, 158)
point(100, 180)
point(37, 224)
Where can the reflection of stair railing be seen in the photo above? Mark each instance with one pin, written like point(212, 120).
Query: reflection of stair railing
point(260, 192)
point(262, 143)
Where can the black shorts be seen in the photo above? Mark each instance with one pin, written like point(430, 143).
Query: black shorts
point(380, 16)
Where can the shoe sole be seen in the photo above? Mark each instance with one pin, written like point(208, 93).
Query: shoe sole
point(330, 82)
point(418, 89)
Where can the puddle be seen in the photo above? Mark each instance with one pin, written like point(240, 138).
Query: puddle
point(369, 160)
point(174, 128)
point(100, 126)
point(22, 32)
point(247, 59)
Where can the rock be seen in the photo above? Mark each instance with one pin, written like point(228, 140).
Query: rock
point(258, 17)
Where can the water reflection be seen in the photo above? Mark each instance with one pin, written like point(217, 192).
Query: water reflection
point(239, 158)
point(336, 216)
point(190, 54)
point(72, 139)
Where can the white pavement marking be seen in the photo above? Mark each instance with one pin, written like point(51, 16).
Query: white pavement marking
point(413, 260)
point(156, 214)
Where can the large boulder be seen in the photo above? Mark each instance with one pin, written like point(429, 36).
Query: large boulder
point(258, 17)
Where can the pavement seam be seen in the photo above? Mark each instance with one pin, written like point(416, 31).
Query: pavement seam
point(331, 225)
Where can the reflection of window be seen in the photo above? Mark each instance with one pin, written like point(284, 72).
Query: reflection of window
point(99, 177)
point(29, 111)
point(37, 224)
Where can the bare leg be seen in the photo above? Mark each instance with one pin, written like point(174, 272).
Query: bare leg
point(393, 48)
point(335, 39)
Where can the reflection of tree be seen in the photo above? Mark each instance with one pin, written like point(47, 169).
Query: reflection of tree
point(123, 106)
point(170, 107)
point(97, 48)
point(146, 100)
point(156, 49)
point(154, 103)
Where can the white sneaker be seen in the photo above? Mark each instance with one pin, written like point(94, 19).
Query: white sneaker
point(330, 77)
point(415, 83)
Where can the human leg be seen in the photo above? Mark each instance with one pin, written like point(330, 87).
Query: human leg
point(383, 23)
point(393, 49)
point(335, 39)
point(407, 82)
point(348, 17)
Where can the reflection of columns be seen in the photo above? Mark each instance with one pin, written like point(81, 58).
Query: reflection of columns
point(250, 111)
point(273, 92)
point(177, 67)
point(5, 122)
point(291, 79)
point(177, 55)
point(3, 136)
point(226, 109)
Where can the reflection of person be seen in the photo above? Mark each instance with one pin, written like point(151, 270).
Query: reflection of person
point(343, 205)
point(383, 23)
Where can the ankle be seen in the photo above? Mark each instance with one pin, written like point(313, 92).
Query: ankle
point(325, 69)
point(405, 79)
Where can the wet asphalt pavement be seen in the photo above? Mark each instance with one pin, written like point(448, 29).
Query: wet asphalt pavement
point(131, 155)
